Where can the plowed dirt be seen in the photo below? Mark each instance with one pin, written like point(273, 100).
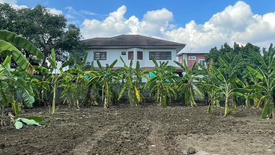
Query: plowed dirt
point(145, 130)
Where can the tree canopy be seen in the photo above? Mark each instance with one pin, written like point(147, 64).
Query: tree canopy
point(45, 30)
point(226, 52)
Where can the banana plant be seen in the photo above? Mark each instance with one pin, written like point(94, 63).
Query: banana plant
point(93, 90)
point(163, 83)
point(74, 82)
point(132, 82)
point(104, 78)
point(190, 83)
point(10, 85)
point(226, 75)
point(248, 94)
point(255, 95)
point(69, 93)
point(210, 87)
point(263, 78)
point(266, 87)
point(41, 85)
point(55, 77)
point(8, 43)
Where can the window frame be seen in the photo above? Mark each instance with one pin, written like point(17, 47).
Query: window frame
point(139, 57)
point(160, 55)
point(101, 53)
point(190, 58)
point(132, 53)
point(202, 60)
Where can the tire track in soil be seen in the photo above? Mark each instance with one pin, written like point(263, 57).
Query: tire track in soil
point(158, 143)
point(85, 147)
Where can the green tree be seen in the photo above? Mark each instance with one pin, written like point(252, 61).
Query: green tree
point(228, 53)
point(45, 30)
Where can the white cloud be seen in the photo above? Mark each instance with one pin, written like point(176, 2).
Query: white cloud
point(55, 11)
point(68, 16)
point(88, 13)
point(113, 24)
point(72, 11)
point(154, 23)
point(159, 15)
point(9, 1)
point(13, 4)
point(18, 7)
point(235, 23)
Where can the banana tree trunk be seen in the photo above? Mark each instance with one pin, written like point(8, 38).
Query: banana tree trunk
point(159, 98)
point(227, 110)
point(106, 97)
point(268, 109)
point(54, 97)
point(247, 102)
point(89, 96)
point(165, 100)
point(132, 97)
point(2, 114)
point(3, 106)
point(106, 104)
point(193, 103)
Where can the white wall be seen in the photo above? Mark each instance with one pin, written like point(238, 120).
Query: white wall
point(57, 71)
point(149, 63)
point(184, 57)
point(113, 54)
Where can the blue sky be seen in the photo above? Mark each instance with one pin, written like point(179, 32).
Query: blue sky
point(200, 24)
point(184, 10)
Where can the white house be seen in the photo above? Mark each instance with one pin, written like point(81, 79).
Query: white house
point(136, 47)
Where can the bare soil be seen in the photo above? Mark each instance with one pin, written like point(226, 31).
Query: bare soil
point(145, 130)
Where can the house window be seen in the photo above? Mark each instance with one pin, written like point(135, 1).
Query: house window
point(130, 55)
point(202, 62)
point(192, 58)
point(160, 55)
point(100, 55)
point(123, 53)
point(139, 55)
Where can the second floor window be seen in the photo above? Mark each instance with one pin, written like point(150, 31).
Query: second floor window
point(100, 55)
point(130, 55)
point(192, 58)
point(160, 55)
point(139, 55)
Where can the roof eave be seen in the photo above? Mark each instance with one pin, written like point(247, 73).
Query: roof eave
point(178, 48)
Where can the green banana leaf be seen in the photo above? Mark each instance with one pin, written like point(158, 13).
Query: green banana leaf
point(21, 42)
